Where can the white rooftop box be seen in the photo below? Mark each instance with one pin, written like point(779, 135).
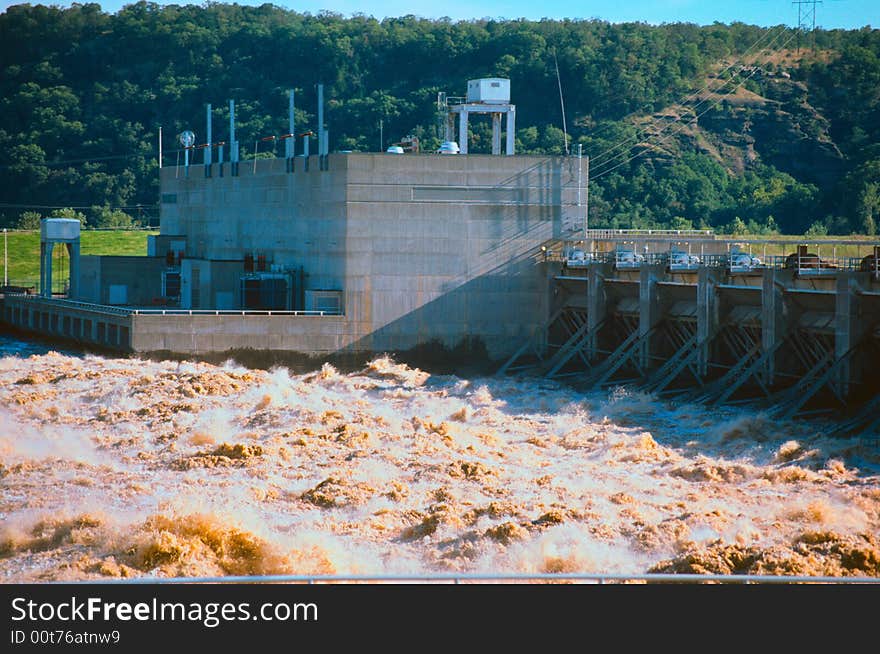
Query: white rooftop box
point(59, 229)
point(491, 90)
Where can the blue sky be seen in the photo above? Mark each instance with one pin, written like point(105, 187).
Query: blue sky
point(830, 14)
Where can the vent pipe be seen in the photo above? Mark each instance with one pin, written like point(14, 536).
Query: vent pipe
point(290, 142)
point(233, 144)
point(321, 119)
point(208, 141)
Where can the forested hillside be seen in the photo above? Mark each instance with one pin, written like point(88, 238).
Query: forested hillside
point(733, 127)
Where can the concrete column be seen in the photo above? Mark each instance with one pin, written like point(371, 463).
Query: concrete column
point(707, 314)
point(596, 303)
point(848, 329)
point(496, 133)
point(462, 132)
point(320, 119)
point(511, 129)
point(233, 144)
point(290, 142)
point(73, 255)
point(46, 248)
point(772, 317)
point(649, 307)
point(208, 140)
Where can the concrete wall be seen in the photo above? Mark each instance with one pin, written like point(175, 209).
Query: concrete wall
point(295, 219)
point(201, 334)
point(97, 326)
point(442, 248)
point(141, 276)
point(425, 248)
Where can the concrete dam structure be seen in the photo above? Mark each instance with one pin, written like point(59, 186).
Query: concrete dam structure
point(798, 333)
point(328, 255)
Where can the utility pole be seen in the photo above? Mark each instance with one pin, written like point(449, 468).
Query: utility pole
point(5, 260)
point(381, 136)
point(804, 15)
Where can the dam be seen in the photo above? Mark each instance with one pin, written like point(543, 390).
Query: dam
point(481, 258)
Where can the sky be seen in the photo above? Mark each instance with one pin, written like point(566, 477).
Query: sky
point(830, 14)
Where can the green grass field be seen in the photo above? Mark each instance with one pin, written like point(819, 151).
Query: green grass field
point(23, 253)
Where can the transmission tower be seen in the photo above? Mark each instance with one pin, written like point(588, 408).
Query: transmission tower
point(806, 17)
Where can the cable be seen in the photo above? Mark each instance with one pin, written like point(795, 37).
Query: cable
point(561, 103)
point(694, 108)
point(639, 154)
point(636, 137)
point(642, 133)
point(5, 205)
point(688, 98)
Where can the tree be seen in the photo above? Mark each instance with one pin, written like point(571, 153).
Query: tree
point(107, 218)
point(737, 227)
point(29, 220)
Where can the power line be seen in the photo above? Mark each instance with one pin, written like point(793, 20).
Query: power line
point(683, 125)
point(693, 95)
point(7, 205)
point(561, 103)
point(639, 134)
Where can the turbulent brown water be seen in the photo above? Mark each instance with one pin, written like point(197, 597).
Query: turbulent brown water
point(130, 468)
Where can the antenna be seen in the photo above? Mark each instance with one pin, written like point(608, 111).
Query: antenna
point(442, 115)
point(561, 103)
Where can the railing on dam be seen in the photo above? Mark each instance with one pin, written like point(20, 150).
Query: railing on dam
point(625, 256)
point(229, 312)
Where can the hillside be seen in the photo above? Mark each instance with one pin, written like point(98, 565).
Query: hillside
point(724, 126)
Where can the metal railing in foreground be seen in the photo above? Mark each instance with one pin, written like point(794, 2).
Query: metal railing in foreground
point(583, 578)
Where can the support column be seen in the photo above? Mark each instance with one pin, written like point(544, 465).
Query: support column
point(649, 308)
point(290, 141)
point(233, 144)
point(73, 257)
point(772, 318)
point(848, 330)
point(462, 132)
point(707, 315)
point(596, 304)
point(46, 248)
point(320, 120)
point(511, 129)
point(208, 141)
point(496, 133)
point(306, 152)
